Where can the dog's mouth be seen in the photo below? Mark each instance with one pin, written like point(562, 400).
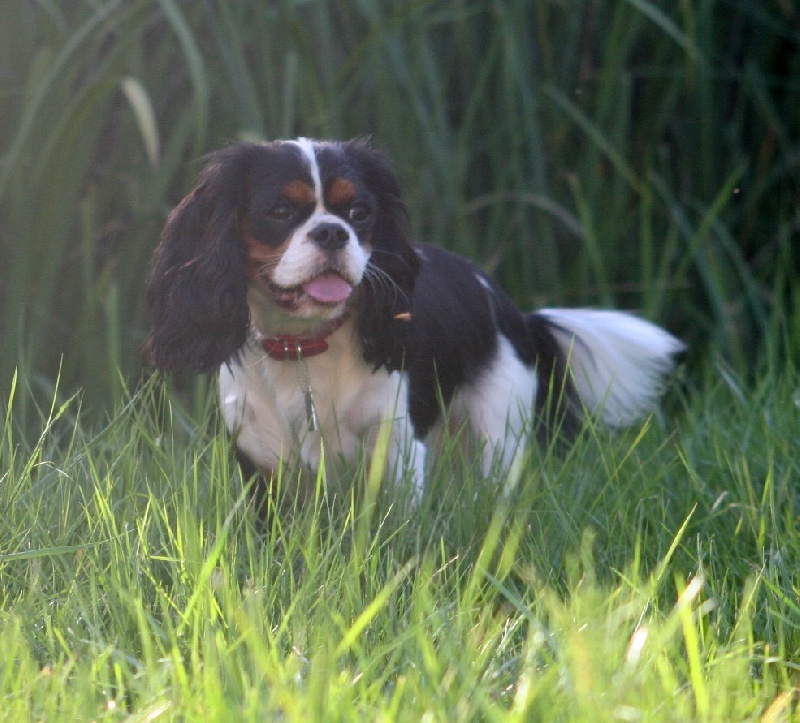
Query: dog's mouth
point(327, 289)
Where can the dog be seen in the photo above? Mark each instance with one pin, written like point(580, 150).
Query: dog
point(289, 269)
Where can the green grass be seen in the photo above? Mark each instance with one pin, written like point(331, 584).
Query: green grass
point(649, 575)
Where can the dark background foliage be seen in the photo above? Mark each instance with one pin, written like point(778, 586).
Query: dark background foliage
point(642, 154)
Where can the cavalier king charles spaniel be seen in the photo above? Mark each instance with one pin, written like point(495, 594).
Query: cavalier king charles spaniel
point(290, 270)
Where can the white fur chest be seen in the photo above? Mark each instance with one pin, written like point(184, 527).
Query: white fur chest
point(264, 404)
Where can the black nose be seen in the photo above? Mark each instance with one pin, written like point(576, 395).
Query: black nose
point(329, 236)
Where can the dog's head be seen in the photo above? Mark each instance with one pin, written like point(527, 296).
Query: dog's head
point(287, 237)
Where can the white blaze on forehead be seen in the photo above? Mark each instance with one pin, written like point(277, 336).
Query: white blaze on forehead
point(306, 147)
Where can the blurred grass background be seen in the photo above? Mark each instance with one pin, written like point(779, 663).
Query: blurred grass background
point(639, 154)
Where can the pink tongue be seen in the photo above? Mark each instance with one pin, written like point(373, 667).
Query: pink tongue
point(328, 289)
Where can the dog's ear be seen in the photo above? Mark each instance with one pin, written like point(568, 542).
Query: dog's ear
point(197, 290)
point(388, 283)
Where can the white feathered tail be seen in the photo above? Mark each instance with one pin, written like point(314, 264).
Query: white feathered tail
point(617, 362)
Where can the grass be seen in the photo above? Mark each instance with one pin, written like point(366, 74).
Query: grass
point(648, 575)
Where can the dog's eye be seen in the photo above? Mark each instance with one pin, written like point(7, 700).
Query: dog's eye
point(358, 212)
point(281, 211)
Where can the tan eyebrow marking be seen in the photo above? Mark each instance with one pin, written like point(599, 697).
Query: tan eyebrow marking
point(341, 191)
point(299, 192)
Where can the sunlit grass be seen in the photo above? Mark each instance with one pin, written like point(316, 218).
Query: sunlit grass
point(645, 576)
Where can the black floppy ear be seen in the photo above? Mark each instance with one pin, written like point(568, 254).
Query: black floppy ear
point(388, 284)
point(197, 290)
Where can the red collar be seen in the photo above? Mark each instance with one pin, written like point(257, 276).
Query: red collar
point(286, 347)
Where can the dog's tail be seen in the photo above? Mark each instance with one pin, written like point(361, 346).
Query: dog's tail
point(609, 363)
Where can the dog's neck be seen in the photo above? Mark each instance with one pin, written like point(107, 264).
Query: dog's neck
point(290, 347)
point(284, 337)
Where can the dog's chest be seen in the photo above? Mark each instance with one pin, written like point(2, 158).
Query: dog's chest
point(266, 403)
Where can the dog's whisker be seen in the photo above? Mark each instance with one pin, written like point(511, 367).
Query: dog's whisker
point(266, 267)
point(382, 281)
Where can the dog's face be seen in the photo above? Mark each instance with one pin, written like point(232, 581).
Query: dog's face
point(307, 222)
point(281, 236)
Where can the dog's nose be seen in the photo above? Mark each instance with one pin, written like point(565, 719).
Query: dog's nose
point(329, 236)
